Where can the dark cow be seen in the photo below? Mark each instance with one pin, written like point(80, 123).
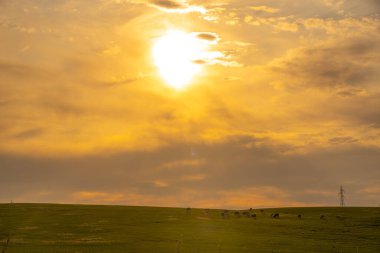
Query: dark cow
point(322, 217)
point(253, 216)
point(299, 216)
point(276, 216)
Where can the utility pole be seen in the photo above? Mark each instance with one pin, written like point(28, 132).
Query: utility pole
point(342, 197)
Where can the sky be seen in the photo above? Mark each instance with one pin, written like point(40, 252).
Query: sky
point(284, 107)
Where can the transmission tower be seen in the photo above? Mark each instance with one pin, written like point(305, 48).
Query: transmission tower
point(342, 197)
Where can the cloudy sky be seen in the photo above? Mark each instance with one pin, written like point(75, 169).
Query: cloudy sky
point(284, 106)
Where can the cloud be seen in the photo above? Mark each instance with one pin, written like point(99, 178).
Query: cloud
point(279, 23)
point(31, 133)
point(362, 110)
point(181, 164)
point(348, 92)
point(176, 6)
point(264, 8)
point(97, 197)
point(341, 63)
point(342, 140)
point(344, 27)
point(238, 173)
point(372, 189)
point(218, 58)
point(18, 70)
point(120, 82)
point(195, 177)
point(160, 183)
point(354, 8)
point(208, 36)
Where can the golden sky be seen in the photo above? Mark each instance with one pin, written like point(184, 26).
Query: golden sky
point(281, 103)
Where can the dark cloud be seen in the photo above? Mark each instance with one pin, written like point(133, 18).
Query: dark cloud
point(176, 6)
point(31, 133)
point(14, 69)
point(242, 162)
point(362, 110)
point(351, 92)
point(343, 63)
point(341, 140)
point(167, 4)
point(213, 37)
point(5, 102)
point(356, 8)
point(121, 82)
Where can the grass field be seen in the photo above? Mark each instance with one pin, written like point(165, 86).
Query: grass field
point(48, 228)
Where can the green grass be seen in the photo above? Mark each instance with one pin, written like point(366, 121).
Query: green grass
point(48, 228)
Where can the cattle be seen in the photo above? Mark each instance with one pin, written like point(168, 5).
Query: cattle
point(253, 216)
point(237, 214)
point(276, 216)
point(322, 217)
point(224, 214)
point(246, 214)
point(299, 216)
point(188, 210)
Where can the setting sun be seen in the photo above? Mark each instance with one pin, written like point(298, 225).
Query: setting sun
point(175, 54)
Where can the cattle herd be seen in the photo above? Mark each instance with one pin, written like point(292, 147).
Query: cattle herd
point(250, 214)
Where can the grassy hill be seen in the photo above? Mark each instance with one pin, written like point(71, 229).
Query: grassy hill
point(48, 228)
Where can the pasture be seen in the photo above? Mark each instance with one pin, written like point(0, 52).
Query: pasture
point(53, 228)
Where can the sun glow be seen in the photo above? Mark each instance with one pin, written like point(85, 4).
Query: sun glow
point(177, 55)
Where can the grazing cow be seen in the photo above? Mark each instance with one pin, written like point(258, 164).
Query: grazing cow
point(262, 211)
point(237, 214)
point(246, 214)
point(322, 217)
point(188, 210)
point(253, 216)
point(250, 209)
point(276, 216)
point(299, 216)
